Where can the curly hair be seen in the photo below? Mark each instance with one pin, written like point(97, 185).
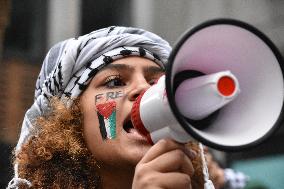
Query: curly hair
point(197, 180)
point(56, 155)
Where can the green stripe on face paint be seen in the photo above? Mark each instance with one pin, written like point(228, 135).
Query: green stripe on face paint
point(112, 121)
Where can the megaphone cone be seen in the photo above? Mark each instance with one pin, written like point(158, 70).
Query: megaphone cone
point(185, 104)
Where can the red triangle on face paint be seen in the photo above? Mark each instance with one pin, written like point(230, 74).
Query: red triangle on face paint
point(106, 109)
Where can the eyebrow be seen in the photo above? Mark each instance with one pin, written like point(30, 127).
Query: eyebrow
point(118, 67)
point(153, 70)
point(124, 67)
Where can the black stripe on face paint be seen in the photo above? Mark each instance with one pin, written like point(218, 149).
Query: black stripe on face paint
point(102, 126)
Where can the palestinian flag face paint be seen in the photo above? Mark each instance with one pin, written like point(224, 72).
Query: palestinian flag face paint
point(107, 119)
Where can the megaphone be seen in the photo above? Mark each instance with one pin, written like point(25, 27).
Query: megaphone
point(223, 86)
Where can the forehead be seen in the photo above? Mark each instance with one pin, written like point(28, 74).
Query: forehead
point(132, 64)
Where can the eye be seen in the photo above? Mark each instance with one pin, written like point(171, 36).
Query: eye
point(152, 81)
point(114, 81)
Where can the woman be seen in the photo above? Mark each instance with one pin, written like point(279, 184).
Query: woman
point(78, 132)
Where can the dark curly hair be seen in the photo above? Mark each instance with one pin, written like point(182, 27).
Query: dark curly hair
point(56, 155)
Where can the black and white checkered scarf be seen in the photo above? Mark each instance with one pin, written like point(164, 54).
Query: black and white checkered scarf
point(70, 65)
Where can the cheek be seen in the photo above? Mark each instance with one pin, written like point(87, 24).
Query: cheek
point(101, 116)
point(96, 136)
point(90, 121)
point(91, 129)
point(106, 113)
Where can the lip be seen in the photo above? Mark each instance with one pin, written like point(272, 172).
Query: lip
point(133, 133)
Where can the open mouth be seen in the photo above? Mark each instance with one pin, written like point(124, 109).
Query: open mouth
point(128, 126)
point(132, 132)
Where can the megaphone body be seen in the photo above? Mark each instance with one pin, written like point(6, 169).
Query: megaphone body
point(197, 98)
point(234, 102)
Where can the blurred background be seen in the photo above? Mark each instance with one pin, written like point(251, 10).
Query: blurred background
point(29, 28)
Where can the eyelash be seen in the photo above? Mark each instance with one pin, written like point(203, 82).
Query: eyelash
point(114, 78)
point(118, 78)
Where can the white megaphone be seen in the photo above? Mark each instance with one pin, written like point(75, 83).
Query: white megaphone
point(223, 87)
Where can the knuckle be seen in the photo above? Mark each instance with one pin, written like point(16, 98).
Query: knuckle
point(140, 170)
point(163, 143)
point(179, 155)
point(167, 143)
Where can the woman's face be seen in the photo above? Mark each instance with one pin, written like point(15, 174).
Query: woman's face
point(106, 106)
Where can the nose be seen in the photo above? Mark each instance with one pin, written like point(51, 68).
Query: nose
point(138, 86)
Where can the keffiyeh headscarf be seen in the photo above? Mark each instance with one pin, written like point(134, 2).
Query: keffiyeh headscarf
point(70, 65)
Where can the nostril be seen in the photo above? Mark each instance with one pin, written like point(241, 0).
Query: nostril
point(135, 96)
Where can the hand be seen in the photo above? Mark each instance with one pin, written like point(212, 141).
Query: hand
point(167, 164)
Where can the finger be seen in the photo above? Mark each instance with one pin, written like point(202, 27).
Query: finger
point(174, 181)
point(163, 146)
point(173, 161)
